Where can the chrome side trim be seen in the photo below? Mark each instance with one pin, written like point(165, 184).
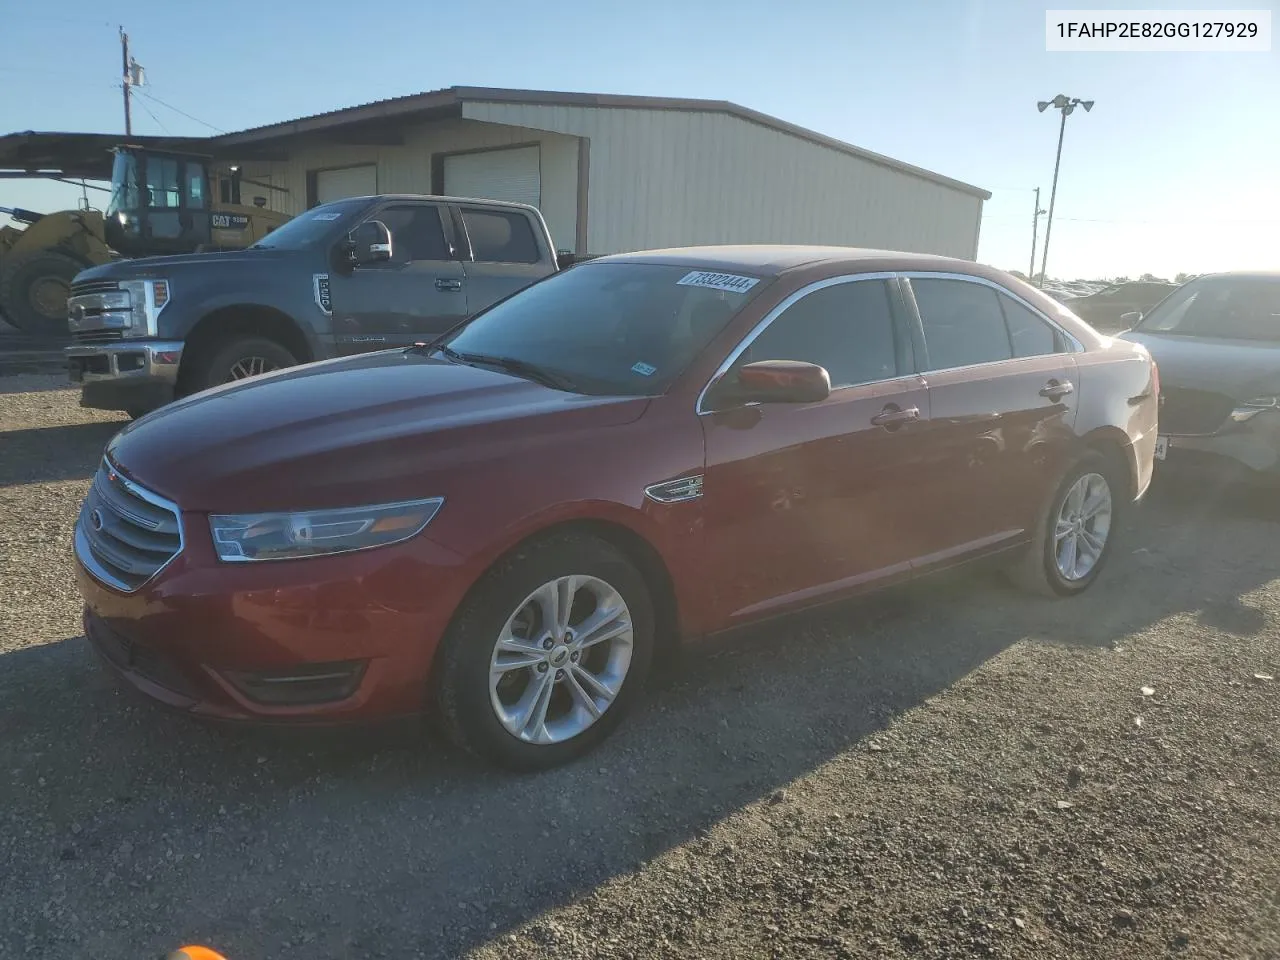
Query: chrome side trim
point(1075, 345)
point(772, 315)
point(675, 491)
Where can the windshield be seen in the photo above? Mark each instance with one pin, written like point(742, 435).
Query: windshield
point(1233, 308)
point(309, 227)
point(124, 184)
point(610, 328)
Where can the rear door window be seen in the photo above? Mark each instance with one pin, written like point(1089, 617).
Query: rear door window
point(500, 236)
point(963, 323)
point(1029, 334)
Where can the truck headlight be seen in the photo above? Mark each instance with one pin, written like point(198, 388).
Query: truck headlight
point(147, 299)
point(315, 533)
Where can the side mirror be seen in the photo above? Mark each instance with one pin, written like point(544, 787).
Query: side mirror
point(1131, 319)
point(370, 242)
point(782, 381)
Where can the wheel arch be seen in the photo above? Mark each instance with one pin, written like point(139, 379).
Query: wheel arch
point(243, 320)
point(1115, 447)
point(628, 541)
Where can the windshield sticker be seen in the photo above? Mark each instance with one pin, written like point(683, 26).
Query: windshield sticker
point(718, 281)
point(644, 369)
point(326, 216)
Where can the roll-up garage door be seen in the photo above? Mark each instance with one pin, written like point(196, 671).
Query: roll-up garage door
point(511, 174)
point(347, 182)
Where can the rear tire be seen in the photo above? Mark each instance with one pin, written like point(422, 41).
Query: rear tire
point(1049, 567)
point(34, 290)
point(470, 673)
point(238, 359)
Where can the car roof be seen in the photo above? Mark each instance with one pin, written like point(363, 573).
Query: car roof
point(763, 259)
point(1243, 275)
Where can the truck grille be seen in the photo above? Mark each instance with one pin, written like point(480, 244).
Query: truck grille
point(1191, 412)
point(93, 286)
point(97, 336)
point(125, 534)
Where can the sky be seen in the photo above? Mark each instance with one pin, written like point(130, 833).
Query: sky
point(1174, 170)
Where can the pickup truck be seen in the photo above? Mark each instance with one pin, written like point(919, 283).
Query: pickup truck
point(354, 275)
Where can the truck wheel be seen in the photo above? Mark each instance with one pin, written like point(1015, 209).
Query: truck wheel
point(34, 290)
point(240, 359)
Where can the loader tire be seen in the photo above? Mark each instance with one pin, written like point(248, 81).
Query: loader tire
point(34, 289)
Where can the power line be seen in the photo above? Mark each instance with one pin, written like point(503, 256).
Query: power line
point(155, 118)
point(151, 96)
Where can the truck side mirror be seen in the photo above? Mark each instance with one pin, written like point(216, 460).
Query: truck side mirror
point(370, 242)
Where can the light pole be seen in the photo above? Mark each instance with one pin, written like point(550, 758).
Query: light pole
point(1035, 230)
point(1067, 105)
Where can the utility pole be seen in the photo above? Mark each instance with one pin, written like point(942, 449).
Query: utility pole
point(1066, 105)
point(128, 80)
point(1035, 230)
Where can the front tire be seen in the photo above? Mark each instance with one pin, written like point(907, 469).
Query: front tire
point(240, 359)
point(1075, 531)
point(547, 655)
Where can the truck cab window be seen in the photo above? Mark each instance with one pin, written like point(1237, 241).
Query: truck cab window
point(163, 190)
point(416, 232)
point(500, 236)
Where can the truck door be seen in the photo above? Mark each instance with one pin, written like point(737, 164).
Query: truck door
point(416, 295)
point(507, 253)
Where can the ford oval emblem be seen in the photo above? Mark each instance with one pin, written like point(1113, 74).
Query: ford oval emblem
point(96, 519)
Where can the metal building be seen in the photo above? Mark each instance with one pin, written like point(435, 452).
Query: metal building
point(614, 173)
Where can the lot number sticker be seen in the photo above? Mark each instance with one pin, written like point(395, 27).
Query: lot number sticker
point(718, 281)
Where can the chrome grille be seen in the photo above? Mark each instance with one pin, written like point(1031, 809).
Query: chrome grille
point(125, 534)
point(97, 336)
point(1188, 412)
point(93, 286)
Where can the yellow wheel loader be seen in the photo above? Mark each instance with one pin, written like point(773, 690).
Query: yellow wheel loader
point(161, 203)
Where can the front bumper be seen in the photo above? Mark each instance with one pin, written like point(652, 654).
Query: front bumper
point(207, 638)
point(125, 373)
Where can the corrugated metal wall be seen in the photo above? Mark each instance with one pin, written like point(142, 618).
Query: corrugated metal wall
point(666, 177)
point(407, 168)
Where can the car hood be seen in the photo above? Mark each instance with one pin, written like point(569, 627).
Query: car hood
point(1242, 369)
point(151, 267)
point(356, 430)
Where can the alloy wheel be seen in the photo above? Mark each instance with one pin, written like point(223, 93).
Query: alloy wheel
point(561, 659)
point(250, 367)
point(1084, 523)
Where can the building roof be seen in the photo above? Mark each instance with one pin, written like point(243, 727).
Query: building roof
point(76, 155)
point(448, 103)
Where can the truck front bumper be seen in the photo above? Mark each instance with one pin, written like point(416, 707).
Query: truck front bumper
point(132, 375)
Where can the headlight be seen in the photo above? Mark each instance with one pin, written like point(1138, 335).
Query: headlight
point(314, 533)
point(1249, 410)
point(147, 299)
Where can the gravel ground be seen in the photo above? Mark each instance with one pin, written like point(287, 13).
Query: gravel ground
point(947, 770)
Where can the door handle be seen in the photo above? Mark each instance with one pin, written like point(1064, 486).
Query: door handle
point(893, 416)
point(448, 285)
point(1055, 390)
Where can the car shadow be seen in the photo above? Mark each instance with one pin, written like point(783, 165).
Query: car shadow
point(45, 454)
point(368, 842)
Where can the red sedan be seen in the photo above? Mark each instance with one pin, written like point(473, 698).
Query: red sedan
point(645, 449)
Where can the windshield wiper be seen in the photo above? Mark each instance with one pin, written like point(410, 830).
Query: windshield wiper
point(513, 365)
